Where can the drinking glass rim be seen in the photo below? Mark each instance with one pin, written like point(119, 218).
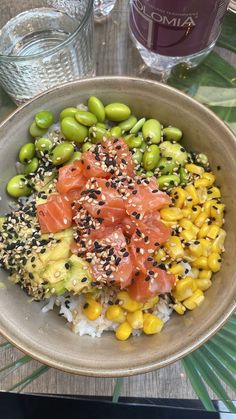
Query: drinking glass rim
point(57, 47)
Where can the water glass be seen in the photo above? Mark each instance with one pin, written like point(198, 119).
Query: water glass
point(44, 43)
point(102, 8)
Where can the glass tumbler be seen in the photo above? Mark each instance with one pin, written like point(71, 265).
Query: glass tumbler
point(44, 43)
point(102, 8)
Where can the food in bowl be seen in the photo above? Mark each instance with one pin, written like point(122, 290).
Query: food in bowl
point(116, 222)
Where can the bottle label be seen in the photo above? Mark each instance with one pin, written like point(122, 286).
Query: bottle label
point(179, 27)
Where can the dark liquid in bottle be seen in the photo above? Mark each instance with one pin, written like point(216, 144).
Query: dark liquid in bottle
point(177, 27)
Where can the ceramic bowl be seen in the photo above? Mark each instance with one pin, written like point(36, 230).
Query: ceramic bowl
point(46, 336)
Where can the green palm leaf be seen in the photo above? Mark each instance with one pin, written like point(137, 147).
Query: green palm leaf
point(29, 379)
point(197, 383)
point(209, 375)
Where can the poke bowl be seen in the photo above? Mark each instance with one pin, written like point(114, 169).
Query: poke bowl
point(117, 226)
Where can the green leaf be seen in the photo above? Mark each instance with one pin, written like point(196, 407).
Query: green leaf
point(29, 379)
point(212, 380)
point(10, 368)
point(219, 96)
point(5, 345)
point(197, 383)
point(117, 389)
point(221, 353)
point(232, 125)
point(227, 37)
point(209, 78)
point(223, 372)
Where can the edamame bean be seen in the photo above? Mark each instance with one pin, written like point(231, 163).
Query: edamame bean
point(172, 134)
point(44, 119)
point(137, 127)
point(86, 146)
point(151, 157)
point(62, 153)
point(26, 153)
point(166, 181)
point(43, 146)
point(117, 112)
point(143, 146)
point(101, 125)
point(32, 166)
point(75, 156)
point(35, 131)
point(86, 118)
point(18, 186)
point(166, 165)
point(73, 130)
point(137, 156)
point(149, 173)
point(96, 106)
point(202, 158)
point(152, 131)
point(116, 131)
point(176, 151)
point(128, 123)
point(133, 141)
point(183, 173)
point(97, 134)
point(71, 111)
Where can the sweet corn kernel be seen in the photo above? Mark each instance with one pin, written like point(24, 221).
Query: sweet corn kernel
point(200, 183)
point(207, 207)
point(191, 194)
point(201, 262)
point(171, 214)
point(187, 212)
point(194, 273)
point(188, 235)
point(150, 303)
point(160, 255)
point(123, 331)
point(213, 231)
point(196, 210)
point(209, 177)
point(171, 224)
point(214, 262)
point(135, 319)
point(179, 195)
point(206, 247)
point(201, 219)
point(203, 283)
point(115, 313)
point(185, 223)
point(195, 300)
point(92, 309)
point(152, 324)
point(202, 194)
point(127, 302)
point(193, 168)
point(203, 231)
point(218, 243)
point(205, 274)
point(217, 213)
point(179, 308)
point(184, 288)
point(213, 192)
point(174, 247)
point(176, 269)
point(188, 256)
point(195, 249)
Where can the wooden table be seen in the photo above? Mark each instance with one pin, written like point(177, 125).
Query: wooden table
point(115, 55)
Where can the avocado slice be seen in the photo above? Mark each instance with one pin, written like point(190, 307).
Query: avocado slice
point(71, 271)
point(59, 250)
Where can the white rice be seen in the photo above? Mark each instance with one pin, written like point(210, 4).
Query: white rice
point(71, 308)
